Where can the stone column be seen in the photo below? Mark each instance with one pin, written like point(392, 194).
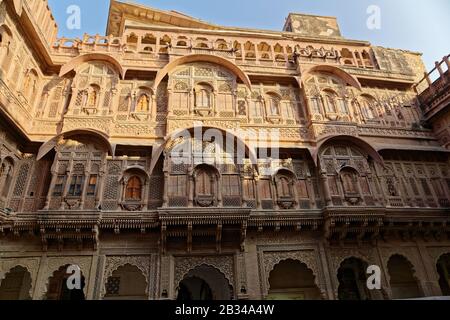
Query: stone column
point(68, 182)
point(219, 191)
point(439, 69)
point(146, 193)
point(326, 188)
point(273, 188)
point(361, 59)
point(431, 283)
point(85, 186)
point(50, 189)
point(166, 190)
point(100, 186)
point(40, 280)
point(191, 186)
point(257, 197)
point(92, 277)
point(153, 107)
point(295, 190)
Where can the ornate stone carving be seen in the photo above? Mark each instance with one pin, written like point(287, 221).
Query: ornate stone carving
point(114, 262)
point(31, 264)
point(225, 264)
point(54, 263)
point(308, 257)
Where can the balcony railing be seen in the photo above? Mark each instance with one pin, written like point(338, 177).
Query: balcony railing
point(434, 88)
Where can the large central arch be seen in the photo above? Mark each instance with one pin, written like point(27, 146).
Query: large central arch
point(340, 73)
point(365, 146)
point(100, 137)
point(75, 62)
point(201, 58)
point(250, 152)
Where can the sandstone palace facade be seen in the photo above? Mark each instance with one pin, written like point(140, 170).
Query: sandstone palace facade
point(94, 172)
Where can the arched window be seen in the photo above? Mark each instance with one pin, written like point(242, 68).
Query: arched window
point(315, 105)
point(330, 102)
point(30, 84)
point(92, 97)
point(133, 190)
point(349, 182)
point(92, 102)
point(284, 189)
point(204, 183)
point(221, 44)
point(368, 108)
point(274, 105)
point(343, 107)
point(143, 103)
point(203, 97)
point(256, 108)
point(182, 42)
point(6, 176)
point(205, 186)
point(202, 43)
point(250, 51)
point(132, 41)
point(77, 181)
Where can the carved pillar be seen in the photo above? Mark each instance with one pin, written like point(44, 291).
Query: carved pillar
point(294, 189)
point(258, 199)
point(355, 59)
point(50, 189)
point(146, 193)
point(274, 194)
point(68, 181)
point(439, 69)
point(100, 187)
point(153, 109)
point(244, 198)
point(242, 51)
point(431, 284)
point(111, 100)
point(166, 190)
point(326, 188)
point(234, 104)
point(361, 59)
point(85, 186)
point(219, 191)
point(191, 187)
point(213, 101)
point(169, 102)
point(157, 45)
point(447, 62)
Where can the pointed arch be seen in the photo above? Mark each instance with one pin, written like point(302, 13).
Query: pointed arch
point(202, 58)
point(75, 62)
point(158, 151)
point(340, 73)
point(103, 138)
point(365, 146)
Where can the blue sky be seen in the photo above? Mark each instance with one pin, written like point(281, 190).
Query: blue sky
point(418, 25)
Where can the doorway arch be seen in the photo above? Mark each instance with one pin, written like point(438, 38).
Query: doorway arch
point(126, 283)
point(353, 280)
point(204, 283)
point(443, 269)
point(57, 286)
point(16, 285)
point(403, 282)
point(292, 280)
